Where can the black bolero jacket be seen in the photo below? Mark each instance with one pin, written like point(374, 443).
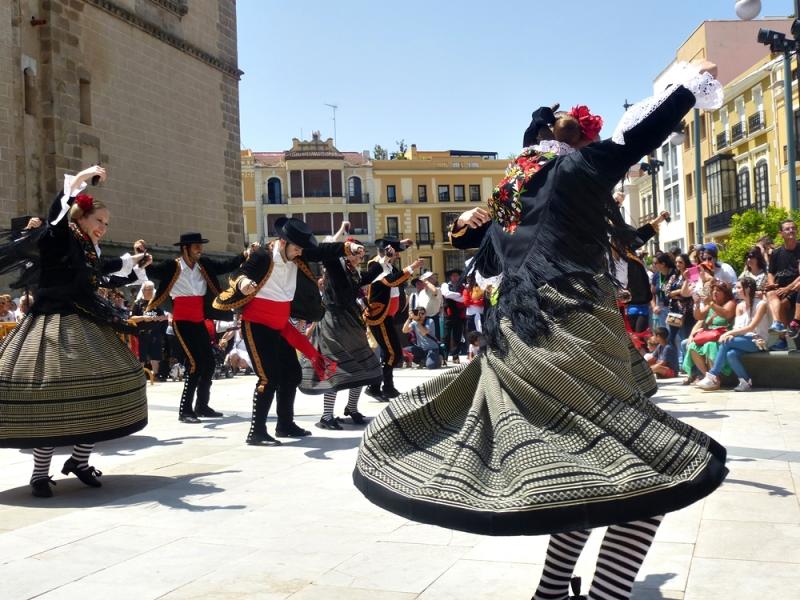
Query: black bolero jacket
point(379, 291)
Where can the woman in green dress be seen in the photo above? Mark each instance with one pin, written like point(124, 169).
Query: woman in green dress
point(718, 313)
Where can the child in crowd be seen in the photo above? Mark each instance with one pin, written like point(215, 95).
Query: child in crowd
point(477, 342)
point(664, 361)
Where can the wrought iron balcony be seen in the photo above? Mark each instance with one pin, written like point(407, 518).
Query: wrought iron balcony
point(722, 140)
point(274, 199)
point(358, 199)
point(426, 238)
point(722, 220)
point(755, 122)
point(737, 132)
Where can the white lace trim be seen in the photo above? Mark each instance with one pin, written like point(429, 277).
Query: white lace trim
point(707, 92)
point(558, 148)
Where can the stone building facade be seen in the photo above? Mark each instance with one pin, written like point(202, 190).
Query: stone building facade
point(149, 88)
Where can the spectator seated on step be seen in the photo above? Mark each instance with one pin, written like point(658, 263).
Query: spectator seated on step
point(664, 360)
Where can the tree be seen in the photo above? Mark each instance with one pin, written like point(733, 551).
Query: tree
point(400, 154)
point(379, 152)
point(747, 228)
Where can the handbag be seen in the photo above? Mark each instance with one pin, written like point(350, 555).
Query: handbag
point(704, 336)
point(675, 319)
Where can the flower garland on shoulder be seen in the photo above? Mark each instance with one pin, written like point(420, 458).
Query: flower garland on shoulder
point(505, 205)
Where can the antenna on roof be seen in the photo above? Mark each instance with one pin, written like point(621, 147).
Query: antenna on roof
point(334, 107)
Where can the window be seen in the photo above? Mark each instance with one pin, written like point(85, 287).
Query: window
point(354, 190)
point(448, 219)
point(320, 223)
point(676, 202)
point(444, 193)
point(296, 183)
point(316, 183)
point(474, 193)
point(762, 184)
point(86, 102)
point(424, 234)
point(689, 185)
point(271, 224)
point(666, 170)
point(393, 226)
point(358, 223)
point(274, 194)
point(455, 259)
point(427, 263)
point(29, 91)
point(336, 183)
point(337, 221)
point(668, 200)
point(422, 193)
point(743, 188)
point(458, 193)
point(391, 193)
point(721, 183)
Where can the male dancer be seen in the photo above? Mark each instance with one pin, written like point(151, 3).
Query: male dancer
point(273, 285)
point(191, 282)
point(383, 303)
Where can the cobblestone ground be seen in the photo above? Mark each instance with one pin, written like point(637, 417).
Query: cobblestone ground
point(190, 511)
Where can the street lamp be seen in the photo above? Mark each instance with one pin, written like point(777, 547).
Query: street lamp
point(748, 10)
point(653, 166)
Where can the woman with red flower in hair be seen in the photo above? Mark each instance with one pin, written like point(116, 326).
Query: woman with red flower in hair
point(551, 430)
point(66, 378)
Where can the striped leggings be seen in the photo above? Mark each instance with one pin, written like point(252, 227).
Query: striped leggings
point(621, 555)
point(330, 399)
point(43, 456)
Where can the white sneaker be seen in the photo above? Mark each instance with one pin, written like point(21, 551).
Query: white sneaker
point(744, 386)
point(709, 382)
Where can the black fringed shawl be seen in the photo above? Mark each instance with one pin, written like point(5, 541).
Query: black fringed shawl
point(562, 236)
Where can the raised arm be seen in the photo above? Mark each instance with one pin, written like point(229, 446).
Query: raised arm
point(469, 229)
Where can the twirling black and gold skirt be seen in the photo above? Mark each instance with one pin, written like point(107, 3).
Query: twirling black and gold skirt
point(65, 379)
point(554, 436)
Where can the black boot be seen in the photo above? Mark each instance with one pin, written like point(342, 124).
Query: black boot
point(41, 487)
point(286, 426)
point(389, 391)
point(185, 412)
point(204, 396)
point(87, 475)
point(258, 435)
point(355, 416)
point(375, 392)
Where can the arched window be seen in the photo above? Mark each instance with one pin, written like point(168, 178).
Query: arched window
point(354, 190)
point(743, 188)
point(761, 174)
point(274, 191)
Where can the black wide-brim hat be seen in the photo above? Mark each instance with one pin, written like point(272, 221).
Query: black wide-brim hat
point(383, 243)
point(191, 238)
point(296, 232)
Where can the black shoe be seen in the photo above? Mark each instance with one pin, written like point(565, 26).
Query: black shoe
point(291, 431)
point(261, 439)
point(356, 417)
point(41, 487)
point(328, 423)
point(87, 475)
point(188, 418)
point(208, 413)
point(390, 392)
point(375, 392)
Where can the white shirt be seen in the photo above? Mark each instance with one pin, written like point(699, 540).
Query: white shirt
point(724, 272)
point(445, 291)
point(431, 303)
point(282, 282)
point(190, 282)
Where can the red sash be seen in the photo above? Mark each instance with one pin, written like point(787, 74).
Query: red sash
point(188, 308)
point(394, 306)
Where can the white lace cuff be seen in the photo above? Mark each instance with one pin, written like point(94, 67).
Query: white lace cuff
point(66, 195)
point(707, 92)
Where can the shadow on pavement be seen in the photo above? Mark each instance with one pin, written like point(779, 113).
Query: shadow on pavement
point(229, 420)
point(743, 454)
point(124, 490)
point(128, 445)
point(320, 446)
point(774, 490)
point(649, 589)
point(708, 414)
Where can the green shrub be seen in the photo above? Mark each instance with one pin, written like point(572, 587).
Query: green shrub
point(747, 228)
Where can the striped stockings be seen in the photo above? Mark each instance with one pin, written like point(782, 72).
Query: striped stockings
point(330, 399)
point(621, 556)
point(43, 456)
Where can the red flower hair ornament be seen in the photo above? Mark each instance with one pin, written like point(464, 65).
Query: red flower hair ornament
point(85, 202)
point(590, 124)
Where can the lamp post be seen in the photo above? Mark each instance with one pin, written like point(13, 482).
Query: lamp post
point(778, 42)
point(653, 166)
point(698, 183)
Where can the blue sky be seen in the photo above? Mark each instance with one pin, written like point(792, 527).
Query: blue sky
point(450, 75)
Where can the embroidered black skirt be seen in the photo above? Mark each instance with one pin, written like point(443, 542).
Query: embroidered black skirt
point(555, 436)
point(65, 379)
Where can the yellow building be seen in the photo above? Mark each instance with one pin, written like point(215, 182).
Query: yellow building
point(419, 197)
point(312, 181)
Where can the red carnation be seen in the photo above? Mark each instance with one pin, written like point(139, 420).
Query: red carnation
point(590, 124)
point(85, 202)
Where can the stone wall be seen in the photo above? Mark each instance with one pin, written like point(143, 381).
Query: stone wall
point(163, 81)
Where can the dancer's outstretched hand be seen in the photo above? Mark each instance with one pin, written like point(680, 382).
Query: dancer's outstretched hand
point(474, 218)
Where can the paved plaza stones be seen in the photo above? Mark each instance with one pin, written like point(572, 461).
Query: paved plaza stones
point(191, 512)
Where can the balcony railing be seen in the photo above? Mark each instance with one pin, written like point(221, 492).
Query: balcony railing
point(722, 220)
point(722, 140)
point(645, 219)
point(394, 234)
point(280, 199)
point(358, 199)
point(737, 132)
point(426, 238)
point(755, 122)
